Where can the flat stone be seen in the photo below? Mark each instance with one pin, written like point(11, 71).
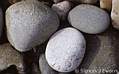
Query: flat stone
point(65, 50)
point(115, 14)
point(30, 23)
point(89, 19)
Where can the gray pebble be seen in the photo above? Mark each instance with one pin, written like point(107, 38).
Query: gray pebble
point(62, 8)
point(30, 23)
point(65, 50)
point(89, 19)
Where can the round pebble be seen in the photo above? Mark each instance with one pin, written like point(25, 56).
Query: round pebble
point(30, 23)
point(65, 50)
point(89, 19)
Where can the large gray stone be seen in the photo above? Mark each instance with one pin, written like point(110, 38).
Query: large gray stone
point(30, 23)
point(89, 19)
point(65, 50)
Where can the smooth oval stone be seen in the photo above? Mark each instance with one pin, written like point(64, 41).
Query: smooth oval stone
point(9, 56)
point(106, 4)
point(30, 23)
point(1, 21)
point(115, 14)
point(65, 50)
point(89, 19)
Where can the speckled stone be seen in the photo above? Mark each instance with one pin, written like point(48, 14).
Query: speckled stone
point(89, 19)
point(1, 21)
point(62, 9)
point(9, 56)
point(115, 14)
point(106, 4)
point(30, 23)
point(65, 50)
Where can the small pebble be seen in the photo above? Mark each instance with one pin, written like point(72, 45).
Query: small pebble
point(9, 56)
point(65, 50)
point(106, 4)
point(30, 23)
point(89, 19)
point(115, 14)
point(62, 8)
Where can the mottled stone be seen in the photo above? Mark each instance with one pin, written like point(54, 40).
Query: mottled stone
point(65, 50)
point(62, 9)
point(106, 4)
point(115, 14)
point(89, 19)
point(9, 56)
point(30, 23)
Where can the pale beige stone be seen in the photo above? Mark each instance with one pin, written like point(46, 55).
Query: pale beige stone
point(106, 4)
point(115, 14)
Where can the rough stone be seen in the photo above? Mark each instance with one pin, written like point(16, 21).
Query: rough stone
point(65, 50)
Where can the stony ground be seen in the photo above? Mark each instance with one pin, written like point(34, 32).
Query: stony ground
point(102, 52)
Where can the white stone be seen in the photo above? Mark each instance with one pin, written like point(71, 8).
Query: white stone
point(30, 23)
point(89, 19)
point(65, 50)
